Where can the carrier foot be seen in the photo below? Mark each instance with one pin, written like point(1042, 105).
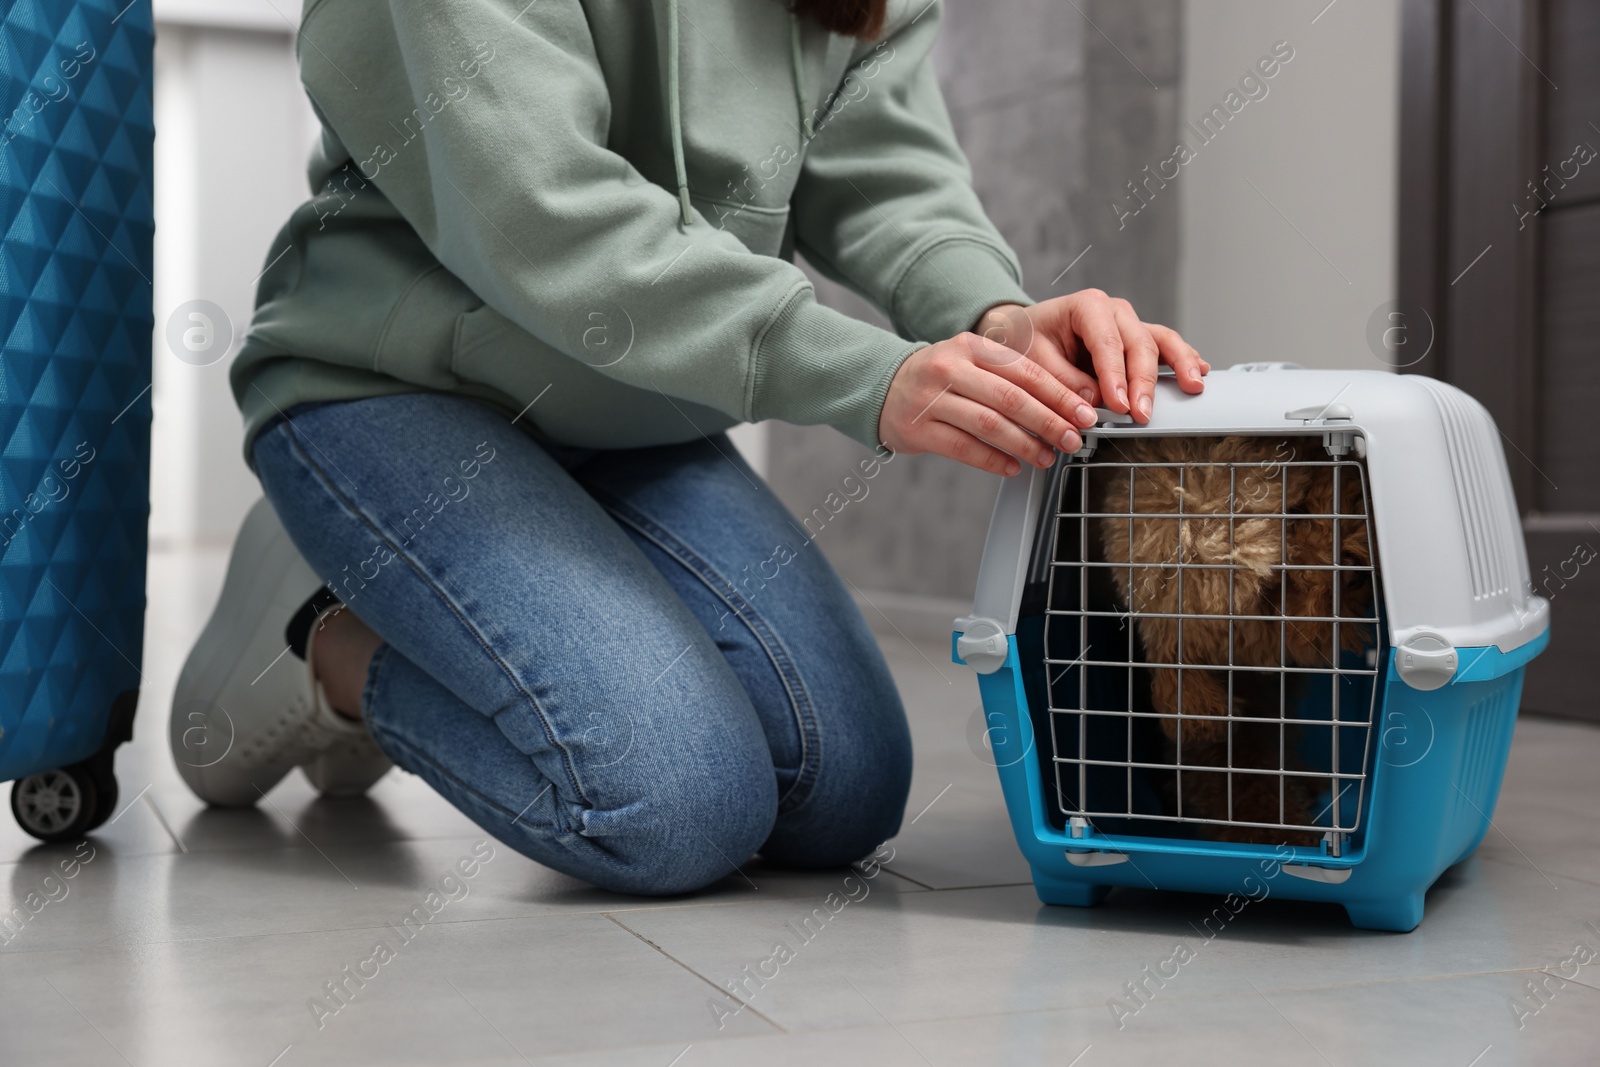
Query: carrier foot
point(1053, 890)
point(1398, 914)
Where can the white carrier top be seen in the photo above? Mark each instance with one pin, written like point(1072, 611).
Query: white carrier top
point(1450, 550)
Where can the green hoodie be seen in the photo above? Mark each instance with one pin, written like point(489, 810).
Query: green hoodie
point(582, 212)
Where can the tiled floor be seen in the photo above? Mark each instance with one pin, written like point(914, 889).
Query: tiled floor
point(189, 936)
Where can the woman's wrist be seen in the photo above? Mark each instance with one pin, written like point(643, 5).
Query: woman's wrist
point(998, 315)
point(1006, 324)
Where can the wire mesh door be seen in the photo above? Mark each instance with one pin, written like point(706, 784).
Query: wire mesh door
point(1211, 638)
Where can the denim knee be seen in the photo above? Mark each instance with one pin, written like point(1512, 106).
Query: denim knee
point(685, 832)
point(857, 802)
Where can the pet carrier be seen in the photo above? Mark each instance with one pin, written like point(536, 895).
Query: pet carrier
point(75, 323)
point(1271, 643)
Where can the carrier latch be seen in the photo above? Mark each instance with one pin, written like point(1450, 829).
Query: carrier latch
point(1425, 661)
point(982, 645)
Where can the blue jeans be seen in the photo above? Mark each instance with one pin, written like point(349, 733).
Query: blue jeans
point(632, 666)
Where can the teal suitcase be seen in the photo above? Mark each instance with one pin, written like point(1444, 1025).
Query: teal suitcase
point(76, 140)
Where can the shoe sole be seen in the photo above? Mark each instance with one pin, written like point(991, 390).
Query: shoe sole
point(265, 568)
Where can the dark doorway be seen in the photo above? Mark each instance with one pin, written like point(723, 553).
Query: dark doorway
point(1500, 245)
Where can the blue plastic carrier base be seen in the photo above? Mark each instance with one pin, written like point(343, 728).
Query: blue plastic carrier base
point(1438, 761)
point(76, 230)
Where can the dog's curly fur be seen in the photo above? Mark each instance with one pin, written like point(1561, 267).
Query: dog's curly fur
point(1231, 491)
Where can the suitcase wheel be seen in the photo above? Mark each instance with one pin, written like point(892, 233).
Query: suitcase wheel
point(60, 804)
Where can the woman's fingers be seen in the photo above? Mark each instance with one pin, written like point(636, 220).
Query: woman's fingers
point(1181, 356)
point(1012, 325)
point(1014, 395)
point(1093, 319)
point(1143, 359)
point(945, 440)
point(993, 428)
point(1058, 363)
point(1029, 375)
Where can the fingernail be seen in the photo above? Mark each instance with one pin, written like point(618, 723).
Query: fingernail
point(1122, 396)
point(1012, 467)
point(1087, 394)
point(1144, 407)
point(1046, 458)
point(1085, 416)
point(1070, 441)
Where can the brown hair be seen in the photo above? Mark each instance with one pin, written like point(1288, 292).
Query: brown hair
point(851, 18)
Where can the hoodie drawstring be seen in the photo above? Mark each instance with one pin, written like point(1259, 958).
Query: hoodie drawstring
point(674, 111)
point(675, 108)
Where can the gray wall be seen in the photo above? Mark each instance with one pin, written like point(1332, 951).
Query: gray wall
point(233, 130)
point(1294, 267)
point(1057, 106)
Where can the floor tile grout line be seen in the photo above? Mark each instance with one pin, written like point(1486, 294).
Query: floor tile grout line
point(906, 878)
point(741, 902)
point(744, 1004)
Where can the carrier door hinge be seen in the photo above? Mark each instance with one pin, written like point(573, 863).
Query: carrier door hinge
point(1337, 442)
point(1079, 828)
point(1096, 859)
point(1090, 439)
point(1331, 875)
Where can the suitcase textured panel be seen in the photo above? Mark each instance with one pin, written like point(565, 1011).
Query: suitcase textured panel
point(76, 232)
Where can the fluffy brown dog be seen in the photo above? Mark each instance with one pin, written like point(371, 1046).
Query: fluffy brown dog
point(1244, 563)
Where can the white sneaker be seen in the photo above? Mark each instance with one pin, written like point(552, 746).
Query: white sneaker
point(247, 710)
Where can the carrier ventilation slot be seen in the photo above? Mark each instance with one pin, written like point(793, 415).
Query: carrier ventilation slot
point(1482, 490)
point(1211, 640)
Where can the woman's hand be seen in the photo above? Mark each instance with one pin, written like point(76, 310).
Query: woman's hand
point(1019, 387)
point(1069, 334)
point(975, 400)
